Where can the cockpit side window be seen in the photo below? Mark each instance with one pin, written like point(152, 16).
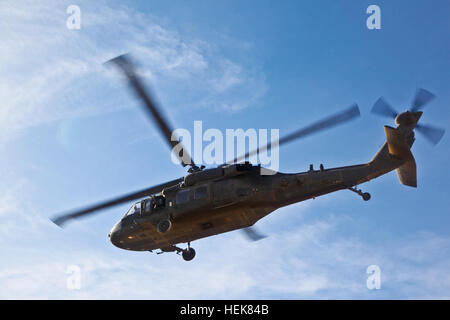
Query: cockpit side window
point(148, 206)
point(183, 196)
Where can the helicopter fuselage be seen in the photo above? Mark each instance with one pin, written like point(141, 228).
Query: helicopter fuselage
point(223, 199)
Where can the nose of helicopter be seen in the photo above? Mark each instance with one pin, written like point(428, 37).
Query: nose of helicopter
point(115, 236)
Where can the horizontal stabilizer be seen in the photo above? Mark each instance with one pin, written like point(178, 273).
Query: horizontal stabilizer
point(399, 148)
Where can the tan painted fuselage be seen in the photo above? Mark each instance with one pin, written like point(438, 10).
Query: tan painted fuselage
point(237, 196)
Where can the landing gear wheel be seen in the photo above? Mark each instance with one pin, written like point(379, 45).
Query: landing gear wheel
point(164, 226)
point(366, 196)
point(188, 254)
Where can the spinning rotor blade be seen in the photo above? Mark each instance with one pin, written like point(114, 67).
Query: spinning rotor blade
point(421, 99)
point(320, 125)
point(433, 134)
point(62, 219)
point(252, 234)
point(382, 108)
point(126, 66)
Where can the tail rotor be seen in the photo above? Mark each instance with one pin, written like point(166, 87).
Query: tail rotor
point(421, 99)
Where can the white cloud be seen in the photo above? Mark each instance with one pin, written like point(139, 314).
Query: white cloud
point(231, 76)
point(307, 260)
point(52, 72)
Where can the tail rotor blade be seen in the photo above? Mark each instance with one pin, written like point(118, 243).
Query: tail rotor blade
point(421, 99)
point(433, 134)
point(382, 108)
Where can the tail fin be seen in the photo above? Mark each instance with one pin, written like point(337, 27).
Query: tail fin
point(398, 147)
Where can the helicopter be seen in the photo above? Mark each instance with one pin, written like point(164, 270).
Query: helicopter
point(236, 194)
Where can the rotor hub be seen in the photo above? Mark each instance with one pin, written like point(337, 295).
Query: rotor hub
point(408, 118)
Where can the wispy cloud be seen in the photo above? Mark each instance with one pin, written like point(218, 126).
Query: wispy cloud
point(50, 72)
point(308, 260)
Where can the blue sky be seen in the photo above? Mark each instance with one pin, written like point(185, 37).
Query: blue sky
point(71, 134)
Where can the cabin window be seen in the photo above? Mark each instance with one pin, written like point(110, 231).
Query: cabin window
point(200, 193)
point(160, 202)
point(183, 196)
point(148, 206)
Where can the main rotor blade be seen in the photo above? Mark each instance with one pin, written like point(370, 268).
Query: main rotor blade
point(320, 125)
point(433, 134)
point(421, 99)
point(252, 234)
point(382, 108)
point(62, 219)
point(126, 66)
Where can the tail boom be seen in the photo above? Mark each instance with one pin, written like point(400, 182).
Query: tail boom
point(396, 154)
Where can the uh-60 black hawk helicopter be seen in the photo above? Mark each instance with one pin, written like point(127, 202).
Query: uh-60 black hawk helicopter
point(236, 195)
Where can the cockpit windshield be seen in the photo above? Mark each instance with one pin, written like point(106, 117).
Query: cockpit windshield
point(136, 208)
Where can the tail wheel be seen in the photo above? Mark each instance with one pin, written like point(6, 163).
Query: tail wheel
point(188, 254)
point(164, 226)
point(366, 196)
